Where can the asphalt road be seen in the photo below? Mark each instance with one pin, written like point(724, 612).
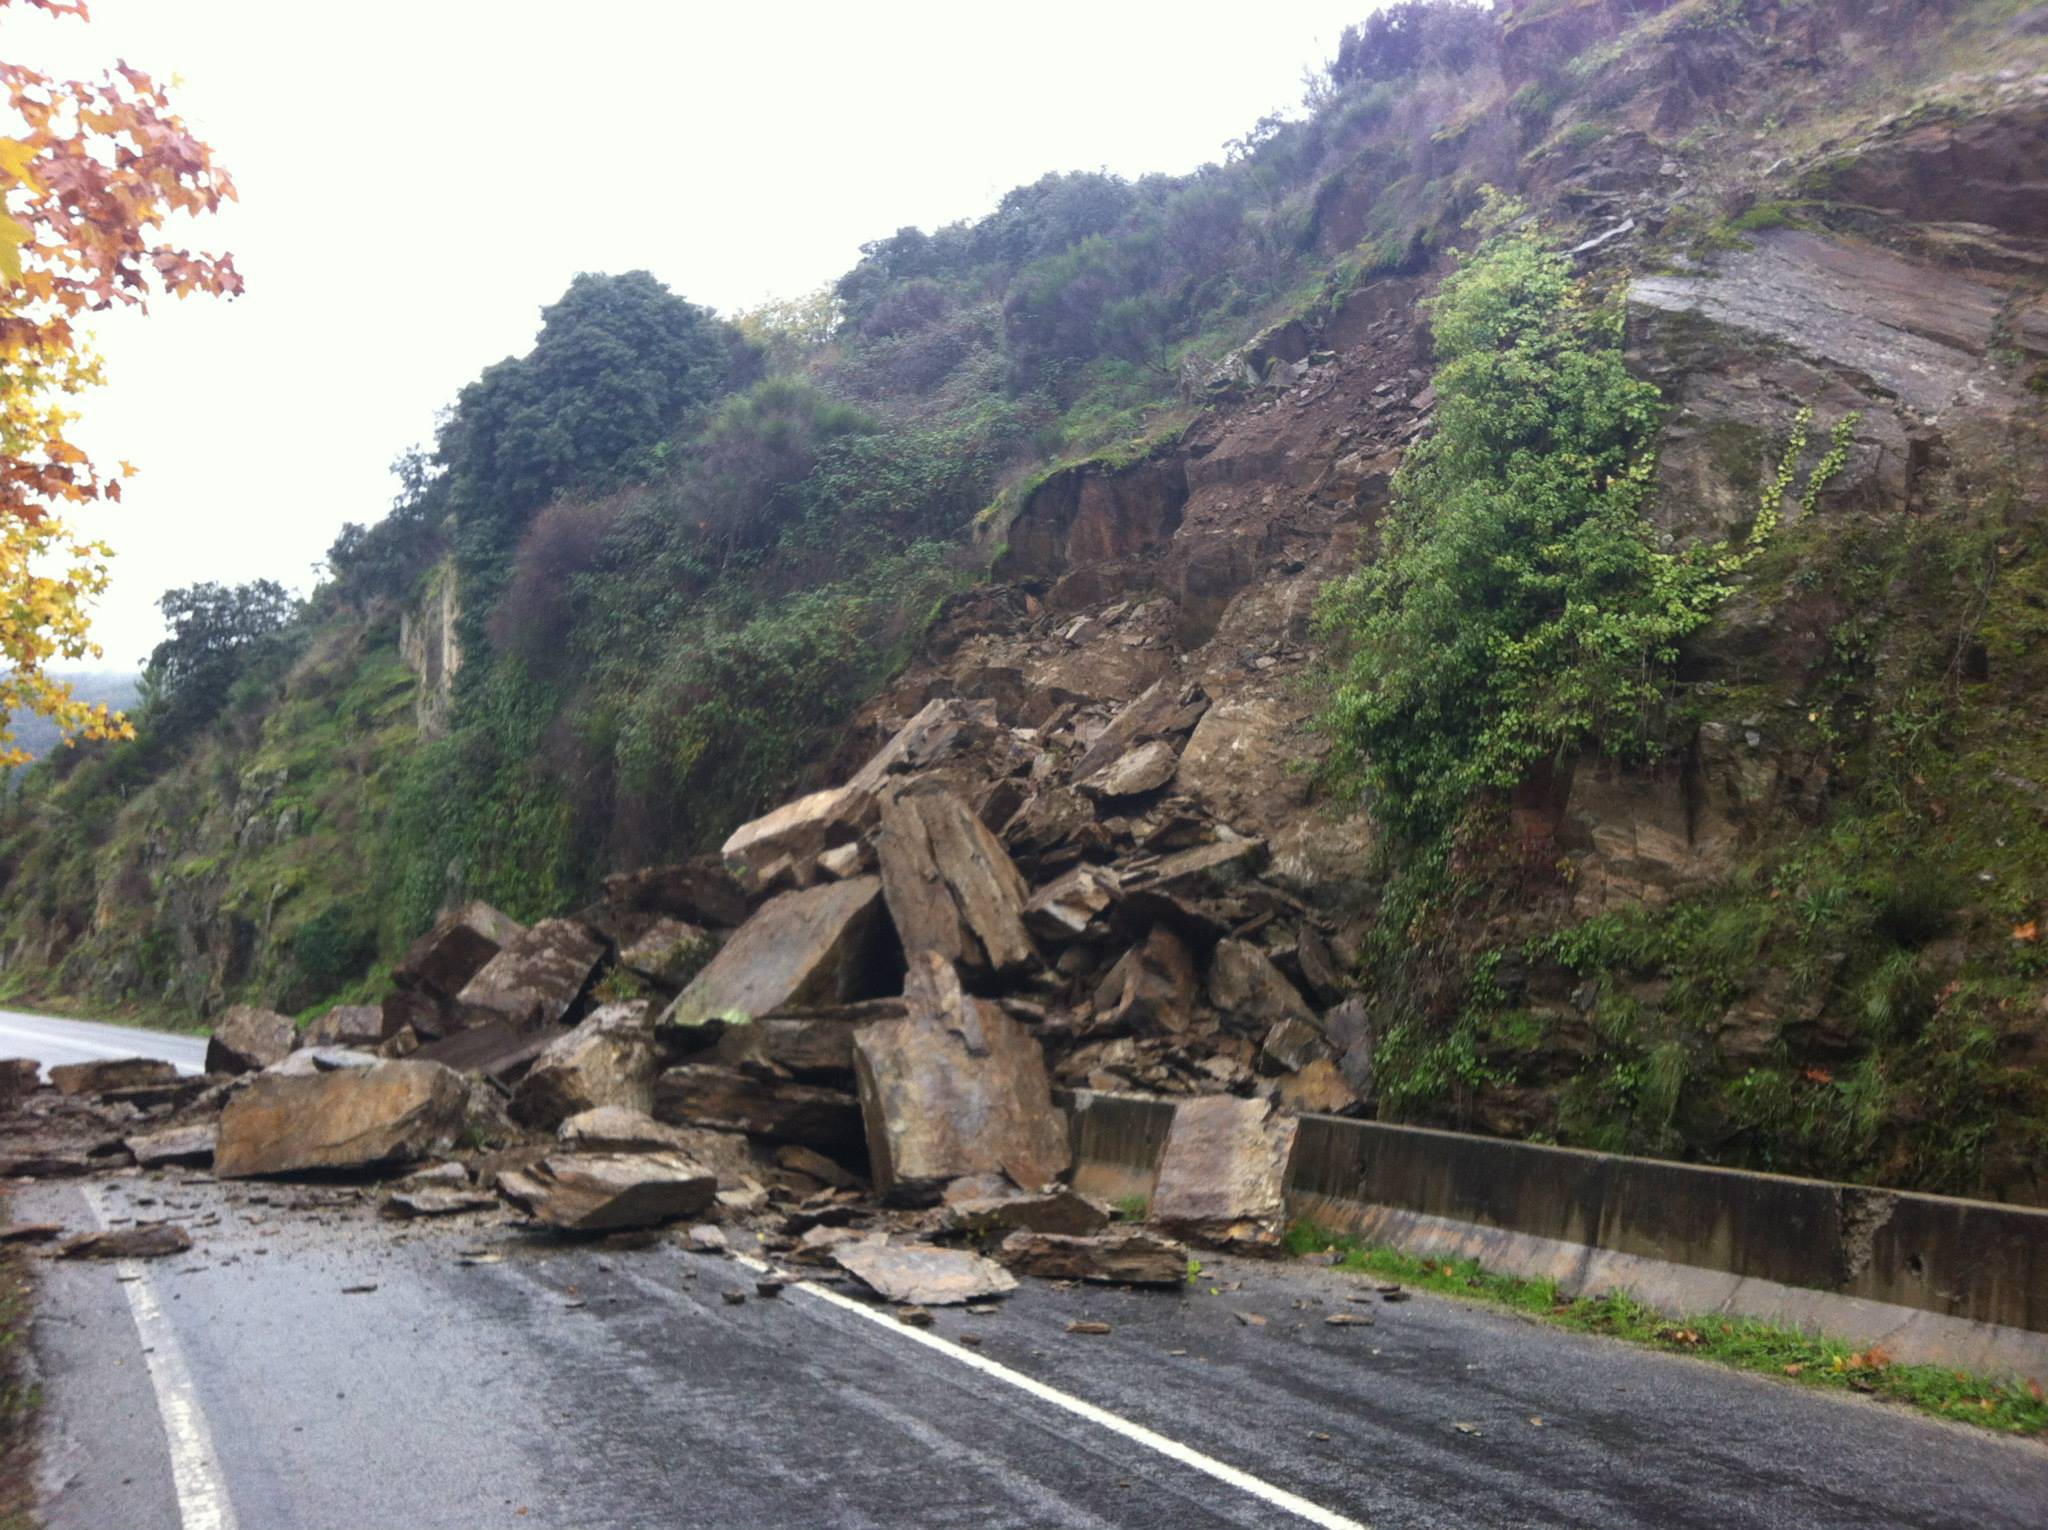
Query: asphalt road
point(495, 1377)
point(52, 1042)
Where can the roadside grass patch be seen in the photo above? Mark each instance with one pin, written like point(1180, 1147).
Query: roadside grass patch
point(1747, 1344)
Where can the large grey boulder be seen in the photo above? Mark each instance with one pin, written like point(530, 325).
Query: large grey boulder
point(248, 1039)
point(458, 947)
point(795, 834)
point(921, 1275)
point(352, 1118)
point(810, 947)
point(607, 1060)
point(951, 886)
point(1222, 1173)
point(604, 1192)
point(348, 1025)
point(534, 980)
point(958, 1088)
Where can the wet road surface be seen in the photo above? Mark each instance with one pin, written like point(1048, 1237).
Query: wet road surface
point(493, 1377)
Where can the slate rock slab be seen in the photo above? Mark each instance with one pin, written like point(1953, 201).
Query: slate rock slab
point(922, 1275)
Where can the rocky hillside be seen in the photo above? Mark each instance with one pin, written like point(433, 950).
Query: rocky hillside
point(1761, 884)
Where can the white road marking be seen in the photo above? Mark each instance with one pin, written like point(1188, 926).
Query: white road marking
point(1173, 1450)
point(203, 1502)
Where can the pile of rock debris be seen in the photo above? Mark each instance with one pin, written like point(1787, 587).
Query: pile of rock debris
point(844, 1036)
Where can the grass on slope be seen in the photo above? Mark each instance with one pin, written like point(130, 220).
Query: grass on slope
point(1746, 1344)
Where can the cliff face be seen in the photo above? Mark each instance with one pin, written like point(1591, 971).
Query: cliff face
point(1806, 938)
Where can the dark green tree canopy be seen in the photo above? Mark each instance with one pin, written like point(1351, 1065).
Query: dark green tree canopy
point(619, 361)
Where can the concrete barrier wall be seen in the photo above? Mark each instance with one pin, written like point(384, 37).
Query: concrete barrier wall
point(1931, 1277)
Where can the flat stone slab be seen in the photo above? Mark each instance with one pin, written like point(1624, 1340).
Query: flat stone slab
point(921, 1275)
point(112, 1073)
point(1119, 1259)
point(604, 1192)
point(534, 979)
point(808, 947)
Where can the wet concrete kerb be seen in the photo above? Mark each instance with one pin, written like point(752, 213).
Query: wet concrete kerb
point(1932, 1278)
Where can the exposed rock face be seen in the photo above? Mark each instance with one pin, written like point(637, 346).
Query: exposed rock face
point(534, 980)
point(607, 1060)
point(248, 1039)
point(816, 946)
point(442, 961)
point(1222, 1172)
point(604, 1192)
point(958, 1088)
point(354, 1118)
point(951, 887)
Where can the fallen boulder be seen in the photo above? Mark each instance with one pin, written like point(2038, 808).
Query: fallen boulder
point(353, 1118)
point(1069, 904)
point(151, 1240)
point(616, 1129)
point(802, 948)
point(1320, 1088)
point(798, 832)
point(247, 1039)
point(498, 1049)
point(607, 1060)
point(1222, 1171)
point(603, 1192)
point(112, 1073)
point(1060, 1210)
point(534, 980)
point(1144, 769)
point(1120, 1259)
point(813, 1044)
point(954, 1089)
point(920, 1274)
point(1244, 984)
point(951, 886)
point(348, 1025)
point(191, 1146)
point(1151, 988)
point(738, 1100)
point(458, 947)
point(669, 952)
point(410, 1205)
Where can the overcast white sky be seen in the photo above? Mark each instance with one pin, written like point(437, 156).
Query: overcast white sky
point(419, 177)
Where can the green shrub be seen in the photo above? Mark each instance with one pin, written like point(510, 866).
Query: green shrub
point(1519, 608)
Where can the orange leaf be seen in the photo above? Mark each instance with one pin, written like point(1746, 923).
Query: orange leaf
point(2026, 934)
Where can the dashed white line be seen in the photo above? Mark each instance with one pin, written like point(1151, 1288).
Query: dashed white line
point(1138, 1434)
point(203, 1502)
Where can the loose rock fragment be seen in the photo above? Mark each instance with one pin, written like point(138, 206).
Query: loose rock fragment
point(408, 1204)
point(740, 1101)
point(1131, 1259)
point(247, 1039)
point(1059, 1210)
point(459, 946)
point(951, 886)
point(1088, 1325)
point(189, 1145)
point(615, 1129)
point(347, 1025)
point(151, 1240)
point(607, 1060)
point(534, 980)
point(922, 1275)
point(114, 1073)
point(601, 1192)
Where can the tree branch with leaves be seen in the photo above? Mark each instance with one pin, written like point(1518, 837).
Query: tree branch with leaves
point(90, 172)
